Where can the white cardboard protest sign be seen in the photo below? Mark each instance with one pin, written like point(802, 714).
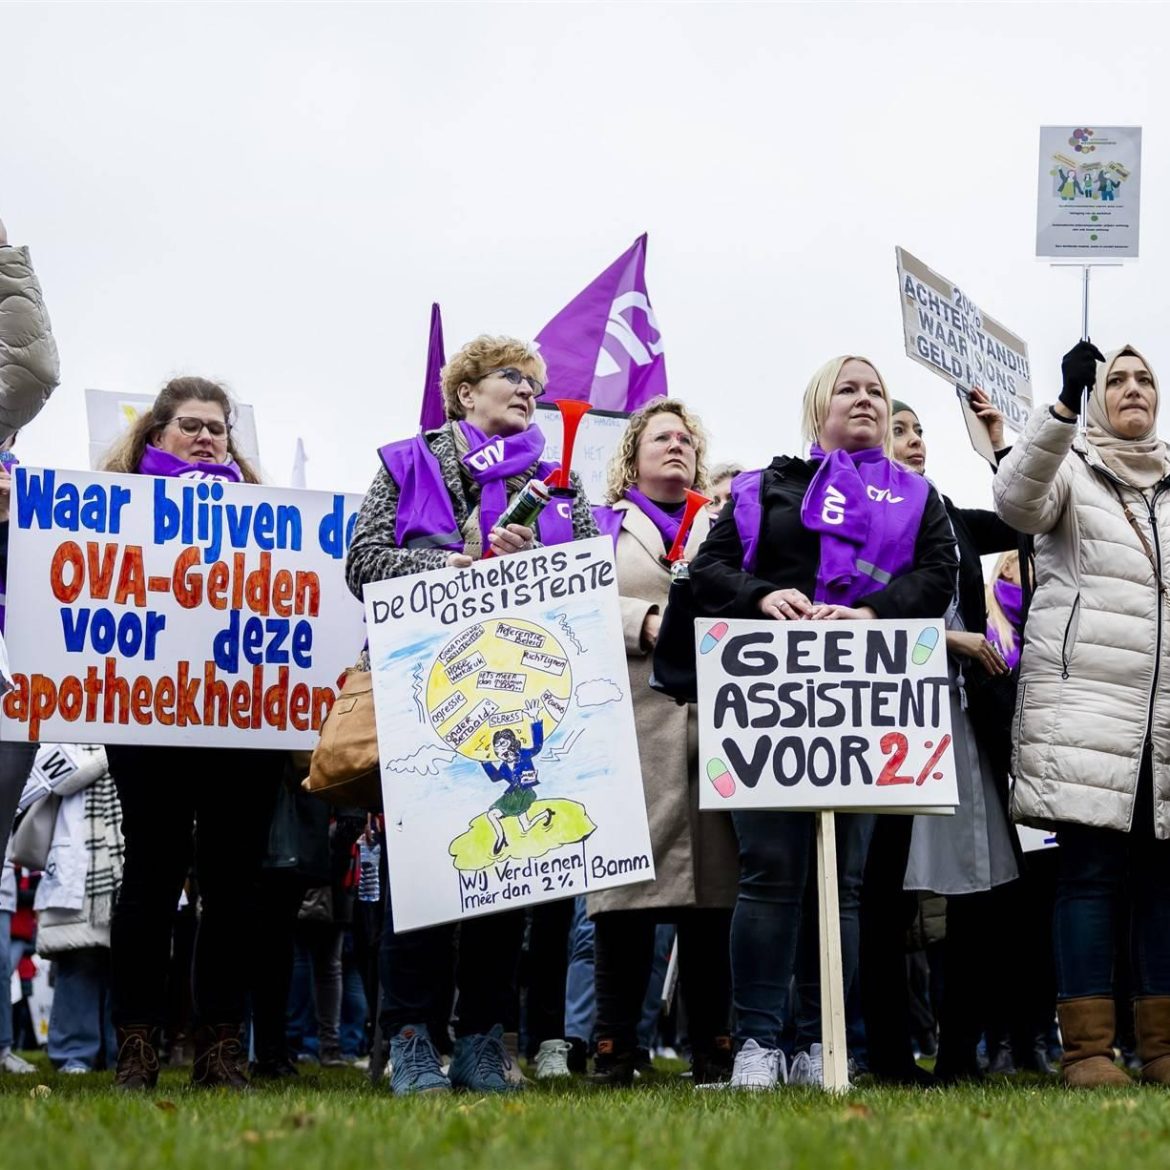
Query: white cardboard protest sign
point(176, 610)
point(506, 734)
point(824, 715)
point(949, 334)
point(109, 413)
point(597, 439)
point(1089, 198)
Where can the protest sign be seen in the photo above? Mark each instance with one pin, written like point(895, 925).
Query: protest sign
point(824, 715)
point(176, 610)
point(109, 413)
point(947, 333)
point(1088, 206)
point(598, 437)
point(510, 761)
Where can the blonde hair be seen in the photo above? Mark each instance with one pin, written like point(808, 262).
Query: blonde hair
point(726, 470)
point(623, 464)
point(480, 357)
point(819, 392)
point(996, 618)
point(126, 453)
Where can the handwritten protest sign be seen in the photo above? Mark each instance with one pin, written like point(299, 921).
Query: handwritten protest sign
point(110, 413)
point(824, 715)
point(506, 735)
point(598, 437)
point(947, 333)
point(1088, 206)
point(176, 611)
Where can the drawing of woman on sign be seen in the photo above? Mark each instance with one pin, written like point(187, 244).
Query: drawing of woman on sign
point(518, 770)
point(1069, 187)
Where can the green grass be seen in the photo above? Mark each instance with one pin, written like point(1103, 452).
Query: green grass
point(336, 1121)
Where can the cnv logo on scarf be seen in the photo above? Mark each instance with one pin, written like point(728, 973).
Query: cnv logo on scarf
point(833, 509)
point(881, 494)
point(487, 456)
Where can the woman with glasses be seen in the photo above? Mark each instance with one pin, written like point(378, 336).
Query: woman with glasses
point(844, 535)
point(179, 804)
point(660, 457)
point(434, 503)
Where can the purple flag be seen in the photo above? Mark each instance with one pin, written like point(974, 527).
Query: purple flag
point(432, 414)
point(604, 346)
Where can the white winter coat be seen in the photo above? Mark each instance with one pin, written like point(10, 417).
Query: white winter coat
point(1095, 670)
point(29, 366)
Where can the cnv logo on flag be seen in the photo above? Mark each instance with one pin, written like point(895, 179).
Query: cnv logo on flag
point(833, 509)
point(642, 342)
point(882, 494)
point(486, 456)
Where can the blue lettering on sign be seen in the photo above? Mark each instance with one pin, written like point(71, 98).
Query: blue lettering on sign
point(41, 500)
point(262, 640)
point(335, 532)
point(131, 632)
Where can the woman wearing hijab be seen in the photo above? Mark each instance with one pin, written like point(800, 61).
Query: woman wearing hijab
point(844, 535)
point(1092, 730)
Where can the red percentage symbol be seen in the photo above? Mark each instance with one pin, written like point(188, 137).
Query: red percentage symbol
point(939, 752)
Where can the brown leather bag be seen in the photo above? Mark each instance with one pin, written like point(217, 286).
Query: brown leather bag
point(344, 769)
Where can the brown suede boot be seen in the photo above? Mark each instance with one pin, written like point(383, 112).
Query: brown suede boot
point(137, 1069)
point(1087, 1028)
point(219, 1057)
point(1151, 1017)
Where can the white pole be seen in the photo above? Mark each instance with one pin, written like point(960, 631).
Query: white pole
point(1085, 270)
point(836, 1059)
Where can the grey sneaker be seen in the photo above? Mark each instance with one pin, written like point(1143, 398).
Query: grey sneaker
point(808, 1068)
point(758, 1068)
point(415, 1063)
point(10, 1062)
point(552, 1060)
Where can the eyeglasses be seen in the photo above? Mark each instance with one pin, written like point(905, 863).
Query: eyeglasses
point(516, 377)
point(191, 426)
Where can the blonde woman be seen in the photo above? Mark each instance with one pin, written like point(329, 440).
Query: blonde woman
point(661, 456)
point(1005, 608)
point(787, 550)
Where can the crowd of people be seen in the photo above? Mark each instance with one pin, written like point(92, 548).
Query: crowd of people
point(202, 908)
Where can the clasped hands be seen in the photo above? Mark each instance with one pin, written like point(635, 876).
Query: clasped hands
point(790, 605)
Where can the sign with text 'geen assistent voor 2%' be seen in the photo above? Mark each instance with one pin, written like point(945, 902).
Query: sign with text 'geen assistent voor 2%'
point(950, 335)
point(824, 715)
point(175, 610)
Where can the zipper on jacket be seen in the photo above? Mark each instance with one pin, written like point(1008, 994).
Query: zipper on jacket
point(1065, 651)
point(1150, 505)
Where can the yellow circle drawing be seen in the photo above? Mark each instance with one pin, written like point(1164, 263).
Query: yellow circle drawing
point(495, 674)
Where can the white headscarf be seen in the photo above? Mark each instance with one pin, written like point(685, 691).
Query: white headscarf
point(1141, 461)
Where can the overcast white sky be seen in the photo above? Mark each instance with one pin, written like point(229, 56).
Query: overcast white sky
point(272, 195)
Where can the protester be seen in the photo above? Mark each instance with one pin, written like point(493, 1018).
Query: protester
point(29, 370)
point(660, 457)
point(1090, 737)
point(1005, 608)
point(225, 795)
point(785, 551)
point(971, 855)
point(719, 488)
point(433, 505)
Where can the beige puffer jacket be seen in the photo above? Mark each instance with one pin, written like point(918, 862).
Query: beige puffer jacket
point(29, 366)
point(1095, 672)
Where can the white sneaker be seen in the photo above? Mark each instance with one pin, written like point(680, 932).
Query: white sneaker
point(758, 1068)
point(73, 1068)
point(11, 1063)
point(552, 1060)
point(808, 1068)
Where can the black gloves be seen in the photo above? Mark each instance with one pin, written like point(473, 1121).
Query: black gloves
point(1078, 369)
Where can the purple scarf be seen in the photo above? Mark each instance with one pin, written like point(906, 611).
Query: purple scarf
point(426, 517)
point(491, 461)
point(157, 462)
point(868, 511)
point(1011, 600)
point(666, 524)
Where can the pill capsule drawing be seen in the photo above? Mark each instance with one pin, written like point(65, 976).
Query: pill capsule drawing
point(712, 637)
point(925, 645)
point(721, 777)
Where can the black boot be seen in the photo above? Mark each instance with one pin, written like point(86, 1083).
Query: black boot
point(219, 1057)
point(137, 1069)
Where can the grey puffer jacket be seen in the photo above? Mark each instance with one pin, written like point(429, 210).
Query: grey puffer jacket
point(29, 366)
point(1095, 671)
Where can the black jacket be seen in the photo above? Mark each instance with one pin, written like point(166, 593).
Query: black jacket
point(788, 556)
point(978, 533)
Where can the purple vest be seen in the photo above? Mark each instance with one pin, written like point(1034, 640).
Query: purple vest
point(426, 516)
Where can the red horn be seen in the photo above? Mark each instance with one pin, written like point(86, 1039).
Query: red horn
point(695, 502)
point(572, 411)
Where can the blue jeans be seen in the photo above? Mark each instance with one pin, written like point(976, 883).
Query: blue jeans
point(80, 1024)
point(580, 1001)
point(5, 979)
point(777, 869)
point(1110, 880)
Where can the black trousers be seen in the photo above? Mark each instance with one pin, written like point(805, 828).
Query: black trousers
point(213, 805)
point(281, 892)
point(624, 957)
point(546, 971)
